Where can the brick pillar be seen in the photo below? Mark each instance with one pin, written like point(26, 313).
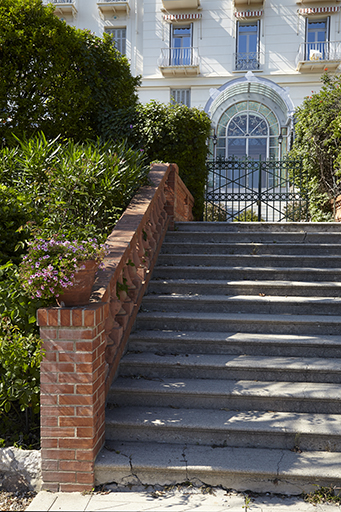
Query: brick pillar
point(72, 395)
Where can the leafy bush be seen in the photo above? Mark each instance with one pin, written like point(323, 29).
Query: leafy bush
point(55, 78)
point(78, 188)
point(20, 357)
point(247, 216)
point(318, 143)
point(15, 212)
point(168, 133)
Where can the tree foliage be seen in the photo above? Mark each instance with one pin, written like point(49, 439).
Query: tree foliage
point(54, 78)
point(318, 143)
point(169, 133)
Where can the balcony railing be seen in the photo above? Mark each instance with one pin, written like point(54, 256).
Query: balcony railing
point(63, 7)
point(251, 61)
point(113, 6)
point(317, 56)
point(176, 61)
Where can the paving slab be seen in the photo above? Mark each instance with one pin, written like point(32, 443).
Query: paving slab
point(180, 498)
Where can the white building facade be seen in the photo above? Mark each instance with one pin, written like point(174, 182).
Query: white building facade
point(248, 63)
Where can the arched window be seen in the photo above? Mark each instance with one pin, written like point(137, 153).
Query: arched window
point(248, 136)
point(249, 129)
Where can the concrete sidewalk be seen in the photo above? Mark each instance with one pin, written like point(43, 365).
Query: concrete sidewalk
point(178, 499)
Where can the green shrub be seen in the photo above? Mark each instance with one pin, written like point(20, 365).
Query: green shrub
point(168, 133)
point(77, 188)
point(20, 358)
point(15, 212)
point(247, 216)
point(55, 78)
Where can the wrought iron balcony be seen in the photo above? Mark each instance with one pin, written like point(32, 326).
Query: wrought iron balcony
point(251, 61)
point(315, 57)
point(112, 7)
point(179, 61)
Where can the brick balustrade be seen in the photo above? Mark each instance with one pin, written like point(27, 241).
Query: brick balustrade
point(83, 345)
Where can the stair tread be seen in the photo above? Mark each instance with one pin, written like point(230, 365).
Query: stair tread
point(137, 457)
point(298, 364)
point(214, 336)
point(173, 297)
point(241, 388)
point(248, 282)
point(321, 319)
point(293, 270)
point(225, 420)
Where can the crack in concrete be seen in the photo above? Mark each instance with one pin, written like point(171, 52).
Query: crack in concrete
point(132, 470)
point(279, 463)
point(185, 460)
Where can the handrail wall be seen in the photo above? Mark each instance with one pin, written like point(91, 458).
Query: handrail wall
point(83, 345)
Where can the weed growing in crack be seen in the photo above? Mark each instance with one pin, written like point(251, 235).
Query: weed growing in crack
point(324, 495)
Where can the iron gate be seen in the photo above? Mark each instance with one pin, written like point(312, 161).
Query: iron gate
point(251, 190)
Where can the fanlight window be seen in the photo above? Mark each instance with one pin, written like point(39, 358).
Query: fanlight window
point(248, 136)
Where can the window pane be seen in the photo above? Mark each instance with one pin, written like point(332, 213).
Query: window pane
point(119, 38)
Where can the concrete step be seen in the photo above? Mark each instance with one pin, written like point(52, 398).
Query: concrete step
point(235, 260)
point(243, 304)
point(232, 367)
point(265, 227)
point(239, 273)
point(211, 237)
point(220, 428)
point(225, 287)
point(237, 343)
point(255, 469)
point(227, 322)
point(254, 248)
point(278, 396)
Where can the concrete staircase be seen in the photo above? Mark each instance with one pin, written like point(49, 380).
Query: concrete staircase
point(233, 374)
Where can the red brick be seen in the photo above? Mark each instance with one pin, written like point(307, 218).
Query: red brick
point(84, 368)
point(47, 421)
point(42, 317)
point(59, 367)
point(48, 333)
point(89, 318)
point(48, 443)
point(65, 317)
point(51, 486)
point(85, 478)
point(49, 465)
point(59, 454)
point(83, 432)
point(53, 317)
point(76, 421)
point(62, 411)
point(75, 400)
point(59, 389)
point(48, 377)
point(77, 317)
point(76, 444)
point(85, 455)
point(58, 476)
point(47, 399)
point(63, 487)
point(84, 411)
point(75, 334)
point(85, 389)
point(77, 465)
point(50, 357)
point(84, 357)
point(75, 378)
point(85, 346)
point(59, 432)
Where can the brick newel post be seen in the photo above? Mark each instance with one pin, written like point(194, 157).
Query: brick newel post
point(72, 394)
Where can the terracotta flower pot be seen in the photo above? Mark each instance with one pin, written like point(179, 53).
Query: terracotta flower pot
point(79, 293)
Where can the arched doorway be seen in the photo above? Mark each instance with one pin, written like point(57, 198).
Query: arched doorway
point(249, 172)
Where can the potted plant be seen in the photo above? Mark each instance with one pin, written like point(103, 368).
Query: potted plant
point(61, 269)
